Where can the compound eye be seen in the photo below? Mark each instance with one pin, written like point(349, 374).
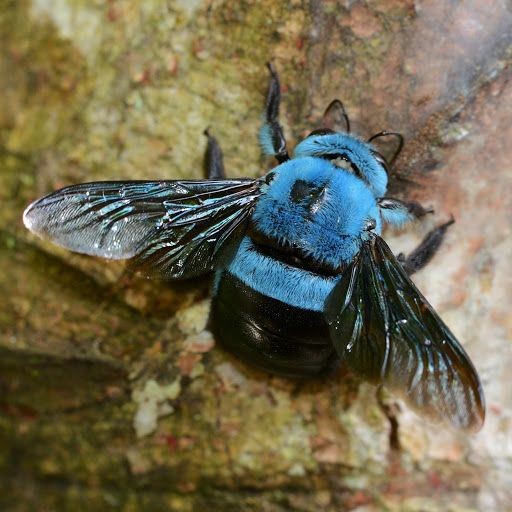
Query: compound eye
point(343, 162)
point(321, 131)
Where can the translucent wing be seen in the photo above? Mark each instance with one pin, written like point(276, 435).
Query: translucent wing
point(173, 229)
point(387, 332)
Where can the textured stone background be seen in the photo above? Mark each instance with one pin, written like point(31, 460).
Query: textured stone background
point(111, 396)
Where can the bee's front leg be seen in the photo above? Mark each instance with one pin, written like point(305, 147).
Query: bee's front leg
point(420, 256)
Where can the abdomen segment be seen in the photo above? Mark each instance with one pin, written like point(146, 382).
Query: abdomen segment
point(267, 333)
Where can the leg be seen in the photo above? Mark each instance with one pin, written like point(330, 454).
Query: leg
point(271, 133)
point(391, 410)
point(213, 160)
point(398, 213)
point(426, 250)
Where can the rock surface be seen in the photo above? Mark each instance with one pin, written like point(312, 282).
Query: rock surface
point(112, 395)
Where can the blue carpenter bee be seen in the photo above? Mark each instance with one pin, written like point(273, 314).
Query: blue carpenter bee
point(302, 277)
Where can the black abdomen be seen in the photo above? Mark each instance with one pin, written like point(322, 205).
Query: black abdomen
point(267, 333)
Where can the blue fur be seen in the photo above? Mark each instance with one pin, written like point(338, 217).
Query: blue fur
point(265, 137)
point(331, 233)
point(291, 285)
point(397, 217)
point(358, 151)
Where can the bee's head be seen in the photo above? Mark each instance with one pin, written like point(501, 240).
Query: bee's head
point(350, 153)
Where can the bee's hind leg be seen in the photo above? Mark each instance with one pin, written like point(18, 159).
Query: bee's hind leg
point(420, 256)
point(272, 139)
point(213, 159)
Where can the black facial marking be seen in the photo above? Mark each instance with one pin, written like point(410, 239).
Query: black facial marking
point(302, 190)
point(299, 191)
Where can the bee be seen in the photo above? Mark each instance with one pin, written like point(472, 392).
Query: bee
point(303, 280)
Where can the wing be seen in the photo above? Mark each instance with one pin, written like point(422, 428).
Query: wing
point(171, 229)
point(387, 332)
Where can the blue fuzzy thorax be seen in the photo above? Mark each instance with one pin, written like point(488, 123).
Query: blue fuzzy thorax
point(356, 150)
point(328, 227)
